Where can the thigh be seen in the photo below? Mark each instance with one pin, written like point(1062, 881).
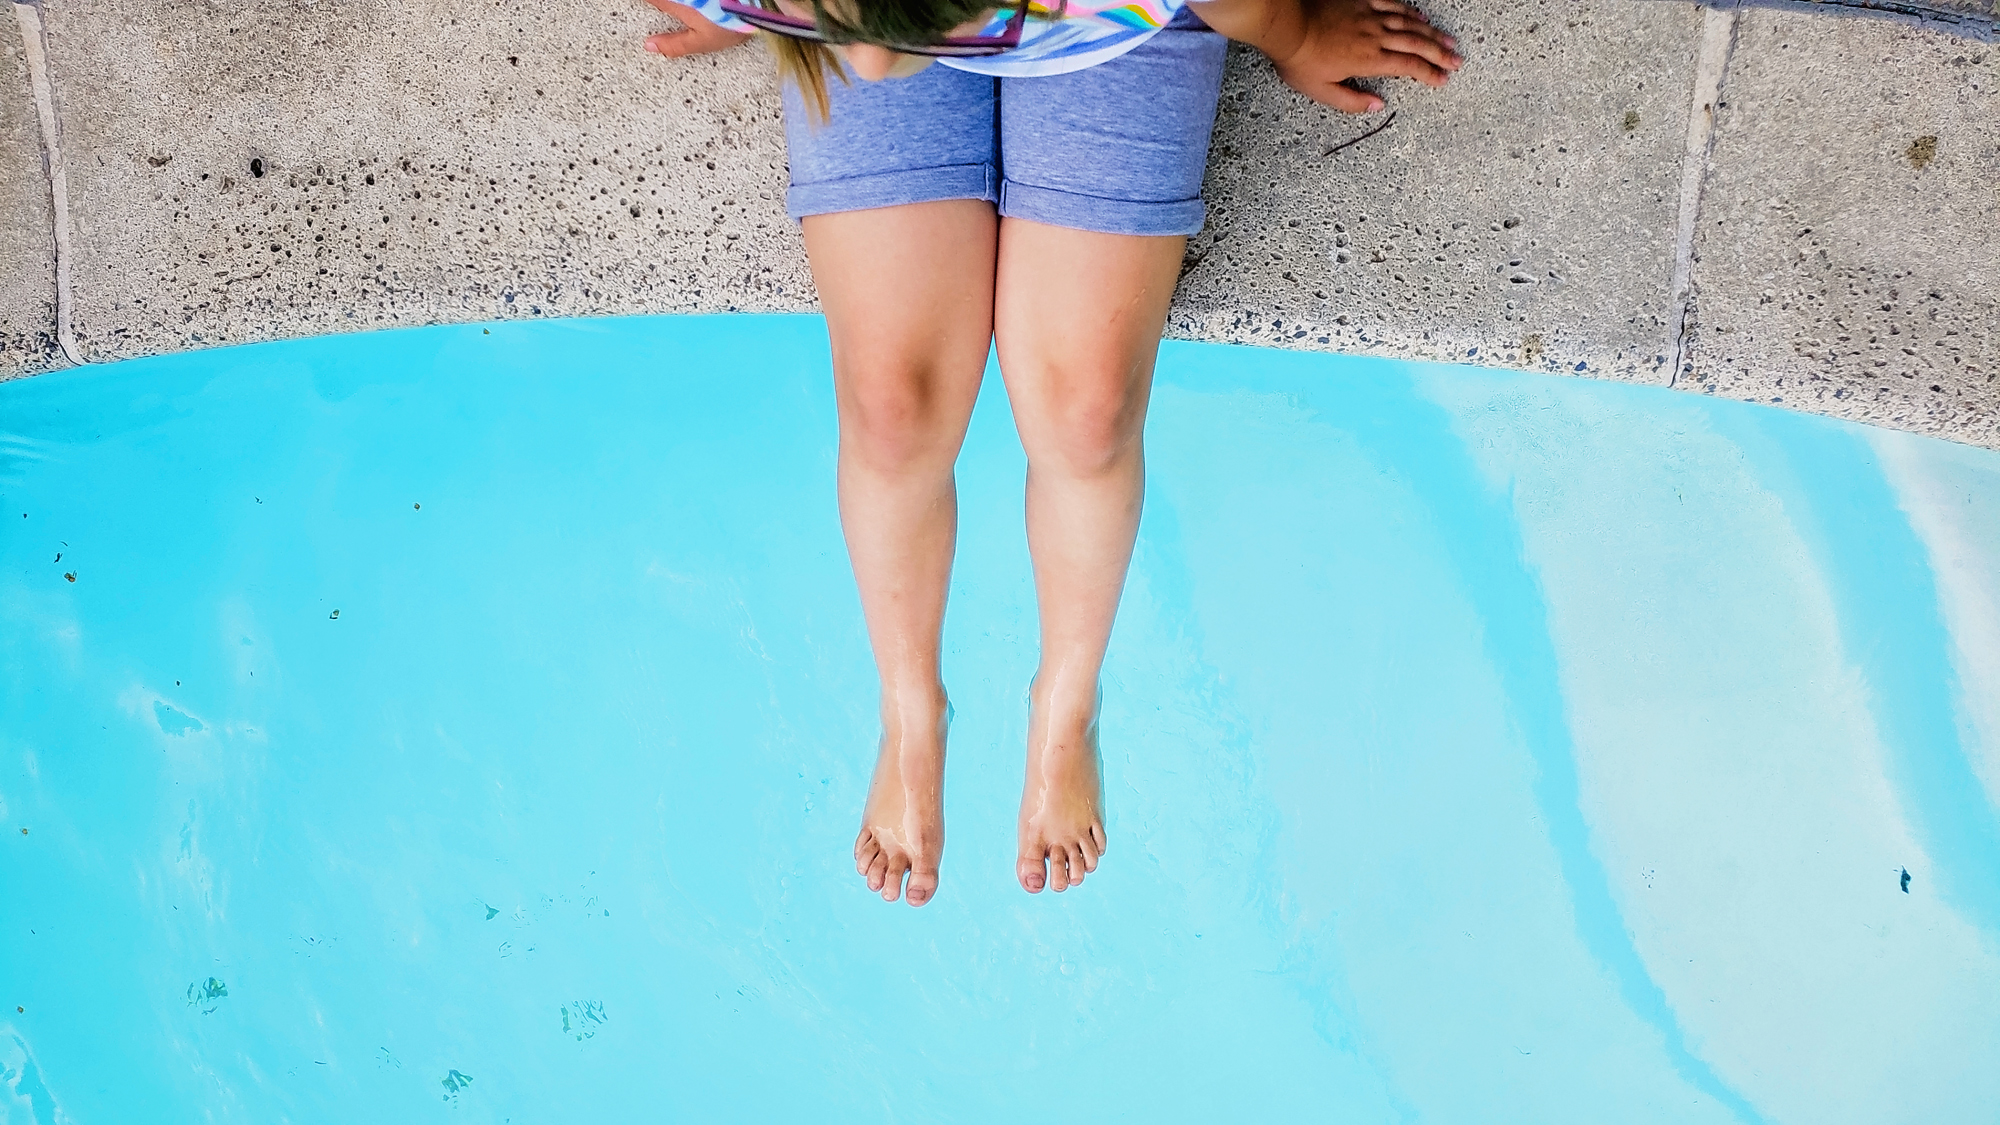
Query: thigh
point(1119, 147)
point(908, 140)
point(1077, 320)
point(908, 297)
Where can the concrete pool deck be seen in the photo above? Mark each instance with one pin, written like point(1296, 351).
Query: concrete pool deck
point(1767, 204)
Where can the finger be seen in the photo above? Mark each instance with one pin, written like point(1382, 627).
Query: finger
point(693, 41)
point(1422, 46)
point(1410, 66)
point(1346, 98)
point(1396, 8)
point(672, 44)
point(1415, 25)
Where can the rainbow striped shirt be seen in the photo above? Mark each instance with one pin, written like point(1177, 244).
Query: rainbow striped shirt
point(1089, 32)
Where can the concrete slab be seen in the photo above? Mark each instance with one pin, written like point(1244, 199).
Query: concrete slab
point(240, 171)
point(27, 226)
point(245, 170)
point(1523, 216)
point(1847, 255)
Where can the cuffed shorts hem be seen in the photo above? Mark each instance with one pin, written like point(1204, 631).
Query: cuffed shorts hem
point(1052, 206)
point(1059, 208)
point(893, 189)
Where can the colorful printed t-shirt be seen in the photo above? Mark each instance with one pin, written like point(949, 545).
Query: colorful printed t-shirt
point(1090, 32)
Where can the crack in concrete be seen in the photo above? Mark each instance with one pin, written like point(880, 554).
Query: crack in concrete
point(35, 41)
point(1718, 41)
point(1974, 19)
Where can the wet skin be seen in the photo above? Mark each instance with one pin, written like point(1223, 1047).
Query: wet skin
point(902, 826)
point(1076, 317)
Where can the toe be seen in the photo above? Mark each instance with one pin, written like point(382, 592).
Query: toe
point(1058, 869)
point(923, 876)
point(1097, 837)
point(1032, 872)
point(878, 871)
point(865, 851)
point(923, 884)
point(1077, 866)
point(1087, 848)
point(893, 887)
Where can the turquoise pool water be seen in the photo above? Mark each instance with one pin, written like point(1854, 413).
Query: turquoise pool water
point(470, 724)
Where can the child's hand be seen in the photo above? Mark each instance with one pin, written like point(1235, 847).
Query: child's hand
point(699, 36)
point(1365, 39)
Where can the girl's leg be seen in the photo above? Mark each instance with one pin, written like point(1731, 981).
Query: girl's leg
point(908, 296)
point(1077, 319)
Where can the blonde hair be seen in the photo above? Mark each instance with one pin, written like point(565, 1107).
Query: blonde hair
point(806, 64)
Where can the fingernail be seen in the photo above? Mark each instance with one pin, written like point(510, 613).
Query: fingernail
point(1374, 107)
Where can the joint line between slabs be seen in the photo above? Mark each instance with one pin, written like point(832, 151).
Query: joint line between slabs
point(35, 42)
point(1718, 42)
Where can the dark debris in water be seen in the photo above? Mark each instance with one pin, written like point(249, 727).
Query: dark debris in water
point(582, 1019)
point(207, 995)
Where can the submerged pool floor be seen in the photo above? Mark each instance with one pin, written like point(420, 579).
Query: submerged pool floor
point(470, 725)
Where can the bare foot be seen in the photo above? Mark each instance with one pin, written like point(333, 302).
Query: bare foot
point(1062, 804)
point(902, 829)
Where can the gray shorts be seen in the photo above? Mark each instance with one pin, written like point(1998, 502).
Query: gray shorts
point(1118, 147)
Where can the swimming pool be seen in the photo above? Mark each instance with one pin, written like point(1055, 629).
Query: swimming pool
point(470, 723)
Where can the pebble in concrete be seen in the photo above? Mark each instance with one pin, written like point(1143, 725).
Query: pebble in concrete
point(1522, 216)
point(1848, 255)
point(27, 227)
point(241, 171)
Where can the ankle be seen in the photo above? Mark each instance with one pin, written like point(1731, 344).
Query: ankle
point(914, 706)
point(1065, 699)
point(1067, 689)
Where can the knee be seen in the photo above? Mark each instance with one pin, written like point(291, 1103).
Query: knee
point(1091, 431)
point(894, 420)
